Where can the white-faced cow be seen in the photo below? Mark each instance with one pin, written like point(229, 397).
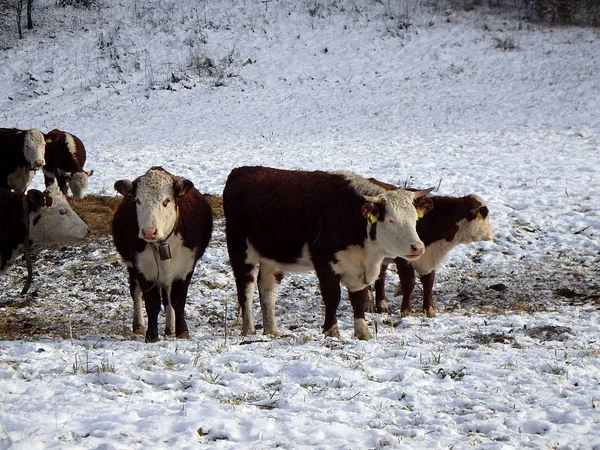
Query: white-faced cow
point(21, 153)
point(450, 222)
point(39, 217)
point(65, 157)
point(161, 229)
point(338, 224)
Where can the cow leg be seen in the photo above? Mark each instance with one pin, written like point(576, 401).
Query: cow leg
point(151, 294)
point(381, 303)
point(62, 184)
point(169, 312)
point(138, 326)
point(427, 282)
point(358, 300)
point(268, 287)
point(407, 284)
point(179, 290)
point(49, 177)
point(329, 283)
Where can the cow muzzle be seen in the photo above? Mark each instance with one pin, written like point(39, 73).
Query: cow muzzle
point(416, 251)
point(150, 234)
point(38, 163)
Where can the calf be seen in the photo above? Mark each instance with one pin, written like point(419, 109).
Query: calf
point(65, 157)
point(35, 218)
point(21, 153)
point(451, 221)
point(160, 229)
point(338, 224)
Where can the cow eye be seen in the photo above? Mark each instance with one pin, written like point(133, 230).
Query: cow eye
point(63, 212)
point(166, 202)
point(391, 222)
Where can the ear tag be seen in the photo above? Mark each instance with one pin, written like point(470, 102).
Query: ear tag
point(479, 216)
point(48, 140)
point(371, 218)
point(164, 251)
point(420, 213)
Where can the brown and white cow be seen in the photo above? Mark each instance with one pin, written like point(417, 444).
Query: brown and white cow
point(21, 153)
point(160, 229)
point(450, 222)
point(65, 157)
point(49, 219)
point(338, 224)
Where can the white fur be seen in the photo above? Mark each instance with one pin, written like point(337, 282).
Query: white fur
point(165, 272)
point(20, 179)
point(34, 147)
point(78, 183)
point(57, 223)
point(153, 189)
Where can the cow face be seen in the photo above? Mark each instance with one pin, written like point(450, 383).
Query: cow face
point(476, 226)
point(34, 148)
point(77, 181)
point(394, 216)
point(51, 219)
point(155, 196)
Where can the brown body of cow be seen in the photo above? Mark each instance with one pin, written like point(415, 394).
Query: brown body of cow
point(161, 209)
point(338, 224)
point(450, 222)
point(65, 158)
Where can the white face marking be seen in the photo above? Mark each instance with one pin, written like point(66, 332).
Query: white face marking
point(155, 205)
point(34, 148)
point(20, 179)
point(165, 272)
point(78, 184)
point(57, 223)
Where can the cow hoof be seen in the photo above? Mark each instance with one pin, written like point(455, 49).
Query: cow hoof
point(274, 333)
point(138, 330)
point(184, 335)
point(404, 313)
point(383, 307)
point(151, 339)
point(248, 331)
point(333, 332)
point(429, 312)
point(169, 332)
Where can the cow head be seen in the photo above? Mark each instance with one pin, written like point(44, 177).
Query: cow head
point(476, 225)
point(156, 195)
point(34, 148)
point(394, 216)
point(77, 181)
point(51, 219)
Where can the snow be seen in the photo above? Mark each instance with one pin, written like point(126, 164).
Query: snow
point(335, 86)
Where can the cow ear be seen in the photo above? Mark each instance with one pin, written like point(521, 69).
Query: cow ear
point(423, 205)
point(182, 187)
point(89, 173)
point(423, 193)
point(371, 209)
point(36, 200)
point(125, 188)
point(480, 213)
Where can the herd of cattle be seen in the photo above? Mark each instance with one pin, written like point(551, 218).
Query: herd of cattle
point(346, 228)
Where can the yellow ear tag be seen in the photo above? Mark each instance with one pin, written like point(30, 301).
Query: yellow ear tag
point(48, 140)
point(479, 216)
point(420, 213)
point(372, 218)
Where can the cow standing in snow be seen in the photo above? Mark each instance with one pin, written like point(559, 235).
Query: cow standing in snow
point(65, 157)
point(338, 224)
point(160, 229)
point(451, 221)
point(21, 153)
point(37, 217)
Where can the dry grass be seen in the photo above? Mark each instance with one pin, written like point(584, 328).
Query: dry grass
point(98, 210)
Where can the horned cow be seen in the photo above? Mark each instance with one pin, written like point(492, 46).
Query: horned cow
point(65, 157)
point(21, 153)
point(161, 228)
point(338, 224)
point(450, 222)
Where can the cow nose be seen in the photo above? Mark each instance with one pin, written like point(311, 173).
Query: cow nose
point(149, 233)
point(417, 248)
point(39, 163)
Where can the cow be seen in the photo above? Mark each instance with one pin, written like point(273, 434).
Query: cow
point(161, 228)
point(65, 157)
point(450, 222)
point(21, 153)
point(338, 224)
point(35, 218)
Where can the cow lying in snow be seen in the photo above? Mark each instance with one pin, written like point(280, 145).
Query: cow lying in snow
point(452, 221)
point(160, 229)
point(65, 157)
point(338, 224)
point(49, 219)
point(21, 153)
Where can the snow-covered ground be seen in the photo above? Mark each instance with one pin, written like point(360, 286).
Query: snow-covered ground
point(334, 85)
